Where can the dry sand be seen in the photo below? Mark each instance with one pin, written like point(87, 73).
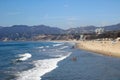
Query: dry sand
point(109, 48)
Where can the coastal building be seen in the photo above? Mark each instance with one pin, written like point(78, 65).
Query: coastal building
point(99, 30)
point(81, 37)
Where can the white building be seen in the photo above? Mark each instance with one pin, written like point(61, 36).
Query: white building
point(99, 30)
point(81, 37)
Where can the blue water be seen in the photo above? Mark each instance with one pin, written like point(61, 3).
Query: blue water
point(17, 57)
point(54, 61)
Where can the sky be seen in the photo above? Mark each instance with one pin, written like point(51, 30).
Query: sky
point(59, 13)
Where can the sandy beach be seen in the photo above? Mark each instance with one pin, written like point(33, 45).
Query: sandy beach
point(108, 48)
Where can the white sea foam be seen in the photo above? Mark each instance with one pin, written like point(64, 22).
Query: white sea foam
point(56, 42)
point(57, 45)
point(64, 47)
point(23, 57)
point(47, 46)
point(41, 67)
point(41, 47)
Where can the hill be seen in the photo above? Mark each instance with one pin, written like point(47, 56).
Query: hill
point(43, 32)
point(16, 32)
point(112, 27)
point(91, 29)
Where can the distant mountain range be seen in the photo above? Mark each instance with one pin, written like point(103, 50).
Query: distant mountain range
point(112, 27)
point(25, 31)
point(89, 29)
point(40, 29)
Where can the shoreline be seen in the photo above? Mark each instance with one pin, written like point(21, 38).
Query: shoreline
point(86, 66)
point(107, 48)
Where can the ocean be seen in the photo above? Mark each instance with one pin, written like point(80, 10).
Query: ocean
point(30, 60)
point(54, 61)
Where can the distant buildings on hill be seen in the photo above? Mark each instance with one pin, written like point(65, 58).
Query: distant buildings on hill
point(99, 30)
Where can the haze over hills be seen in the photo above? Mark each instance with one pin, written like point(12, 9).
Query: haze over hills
point(24, 31)
point(89, 29)
point(112, 27)
point(17, 32)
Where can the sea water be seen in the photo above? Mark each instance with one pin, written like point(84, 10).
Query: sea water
point(54, 61)
point(30, 60)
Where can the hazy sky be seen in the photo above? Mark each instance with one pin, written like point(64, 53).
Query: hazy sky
point(59, 13)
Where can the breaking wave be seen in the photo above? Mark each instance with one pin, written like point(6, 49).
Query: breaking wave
point(23, 57)
point(55, 45)
point(41, 67)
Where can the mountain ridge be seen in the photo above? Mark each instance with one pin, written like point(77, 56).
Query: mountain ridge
point(17, 32)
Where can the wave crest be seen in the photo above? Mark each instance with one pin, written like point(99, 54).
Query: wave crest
point(41, 67)
point(23, 57)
